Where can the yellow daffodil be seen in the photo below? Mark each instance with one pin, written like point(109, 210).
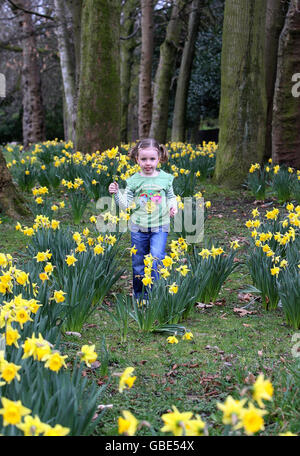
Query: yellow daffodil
point(187, 336)
point(56, 431)
point(176, 422)
point(70, 260)
point(262, 389)
point(126, 379)
point(12, 411)
point(195, 427)
point(231, 409)
point(251, 420)
point(59, 296)
point(173, 289)
point(54, 361)
point(127, 424)
point(32, 426)
point(133, 250)
point(172, 340)
point(88, 354)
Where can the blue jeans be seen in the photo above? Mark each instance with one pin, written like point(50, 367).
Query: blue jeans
point(150, 240)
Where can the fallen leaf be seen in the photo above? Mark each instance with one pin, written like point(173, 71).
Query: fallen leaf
point(202, 305)
point(72, 333)
point(221, 302)
point(103, 406)
point(241, 311)
point(245, 297)
point(246, 325)
point(250, 379)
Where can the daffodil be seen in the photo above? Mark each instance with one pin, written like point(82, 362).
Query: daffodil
point(187, 336)
point(98, 249)
point(195, 427)
point(59, 296)
point(126, 379)
point(287, 434)
point(70, 260)
point(12, 411)
point(9, 371)
point(173, 289)
point(11, 336)
point(56, 431)
point(127, 424)
point(32, 426)
point(133, 250)
point(172, 340)
point(88, 354)
point(262, 389)
point(176, 422)
point(251, 420)
point(54, 361)
point(232, 409)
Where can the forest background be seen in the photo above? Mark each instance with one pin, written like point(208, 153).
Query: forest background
point(102, 72)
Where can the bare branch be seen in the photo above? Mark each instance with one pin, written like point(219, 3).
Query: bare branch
point(30, 12)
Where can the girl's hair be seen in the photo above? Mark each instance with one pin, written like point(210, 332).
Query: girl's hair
point(163, 154)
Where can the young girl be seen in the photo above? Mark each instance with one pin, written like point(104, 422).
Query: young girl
point(152, 192)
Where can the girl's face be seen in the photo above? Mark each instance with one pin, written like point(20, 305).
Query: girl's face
point(148, 160)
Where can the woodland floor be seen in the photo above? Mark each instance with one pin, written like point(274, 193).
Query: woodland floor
point(234, 340)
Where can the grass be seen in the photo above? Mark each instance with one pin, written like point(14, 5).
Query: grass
point(226, 352)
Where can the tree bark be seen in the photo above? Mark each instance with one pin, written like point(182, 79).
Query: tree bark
point(164, 73)
point(275, 16)
point(75, 8)
point(145, 90)
point(127, 48)
point(286, 107)
point(67, 66)
point(11, 201)
point(243, 107)
point(132, 123)
point(33, 111)
point(178, 126)
point(99, 114)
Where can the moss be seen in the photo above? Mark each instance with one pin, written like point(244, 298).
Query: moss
point(243, 107)
point(99, 114)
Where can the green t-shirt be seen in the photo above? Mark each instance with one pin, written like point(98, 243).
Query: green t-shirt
point(153, 197)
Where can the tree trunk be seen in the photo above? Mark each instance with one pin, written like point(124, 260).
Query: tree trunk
point(145, 89)
point(243, 107)
point(133, 126)
point(178, 126)
point(127, 48)
point(75, 8)
point(276, 11)
point(67, 66)
point(33, 111)
point(11, 202)
point(99, 114)
point(286, 107)
point(164, 73)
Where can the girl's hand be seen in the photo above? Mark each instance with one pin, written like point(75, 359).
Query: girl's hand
point(113, 187)
point(173, 211)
